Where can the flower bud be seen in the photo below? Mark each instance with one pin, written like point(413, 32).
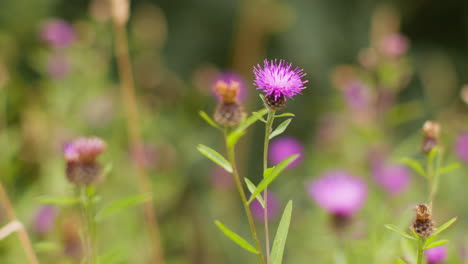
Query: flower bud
point(431, 133)
point(82, 166)
point(228, 112)
point(423, 224)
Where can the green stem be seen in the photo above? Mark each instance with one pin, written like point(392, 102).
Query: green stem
point(420, 251)
point(240, 189)
point(88, 213)
point(269, 123)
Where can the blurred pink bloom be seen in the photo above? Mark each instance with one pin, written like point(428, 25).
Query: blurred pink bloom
point(45, 219)
point(58, 66)
point(229, 77)
point(84, 149)
point(57, 33)
point(356, 95)
point(338, 193)
point(393, 178)
point(220, 178)
point(273, 207)
point(145, 156)
point(461, 146)
point(394, 45)
point(436, 255)
point(283, 147)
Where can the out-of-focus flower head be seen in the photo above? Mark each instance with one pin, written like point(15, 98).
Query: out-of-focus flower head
point(58, 66)
point(228, 112)
point(220, 178)
point(273, 207)
point(57, 33)
point(338, 193)
point(393, 178)
point(231, 78)
point(45, 219)
point(461, 146)
point(394, 45)
point(356, 94)
point(436, 255)
point(279, 81)
point(431, 134)
point(283, 147)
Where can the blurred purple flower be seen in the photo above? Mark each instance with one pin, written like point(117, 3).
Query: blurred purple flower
point(84, 149)
point(461, 146)
point(273, 205)
point(279, 79)
point(229, 77)
point(436, 255)
point(45, 219)
point(356, 95)
point(220, 178)
point(393, 178)
point(145, 155)
point(58, 66)
point(284, 147)
point(338, 193)
point(394, 45)
point(57, 33)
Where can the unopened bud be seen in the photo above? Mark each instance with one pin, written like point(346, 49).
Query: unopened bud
point(431, 133)
point(229, 114)
point(423, 224)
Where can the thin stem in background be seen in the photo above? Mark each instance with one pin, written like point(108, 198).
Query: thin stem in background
point(88, 215)
point(240, 189)
point(130, 104)
point(269, 123)
point(22, 234)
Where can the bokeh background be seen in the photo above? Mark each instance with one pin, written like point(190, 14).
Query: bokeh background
point(51, 93)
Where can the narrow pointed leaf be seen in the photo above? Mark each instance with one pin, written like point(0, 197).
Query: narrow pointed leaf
point(444, 226)
point(121, 205)
point(397, 230)
point(272, 175)
point(259, 116)
point(208, 120)
point(240, 130)
point(61, 201)
point(281, 128)
point(236, 238)
point(414, 165)
point(215, 157)
point(449, 168)
point(435, 244)
point(252, 188)
point(286, 115)
point(281, 235)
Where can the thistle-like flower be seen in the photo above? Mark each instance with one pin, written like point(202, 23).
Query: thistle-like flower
point(80, 155)
point(423, 224)
point(279, 81)
point(228, 112)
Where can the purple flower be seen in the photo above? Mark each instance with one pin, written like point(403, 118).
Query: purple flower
point(338, 193)
point(220, 178)
point(284, 147)
point(44, 219)
point(461, 146)
point(273, 207)
point(279, 80)
point(356, 95)
point(229, 77)
point(84, 149)
point(58, 66)
point(57, 33)
point(436, 255)
point(394, 45)
point(393, 178)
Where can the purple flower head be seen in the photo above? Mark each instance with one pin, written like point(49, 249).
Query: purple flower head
point(284, 147)
point(436, 255)
point(279, 79)
point(229, 77)
point(58, 66)
point(356, 95)
point(57, 33)
point(44, 219)
point(394, 45)
point(461, 146)
point(220, 178)
point(393, 178)
point(273, 205)
point(84, 149)
point(338, 193)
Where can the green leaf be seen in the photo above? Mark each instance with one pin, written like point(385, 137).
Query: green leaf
point(270, 175)
point(259, 117)
point(281, 128)
point(252, 188)
point(397, 230)
point(215, 157)
point(435, 244)
point(286, 115)
point(122, 204)
point(400, 261)
point(449, 168)
point(114, 256)
point(236, 238)
point(432, 154)
point(61, 201)
point(47, 246)
point(281, 235)
point(444, 226)
point(240, 130)
point(414, 165)
point(107, 169)
point(208, 120)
